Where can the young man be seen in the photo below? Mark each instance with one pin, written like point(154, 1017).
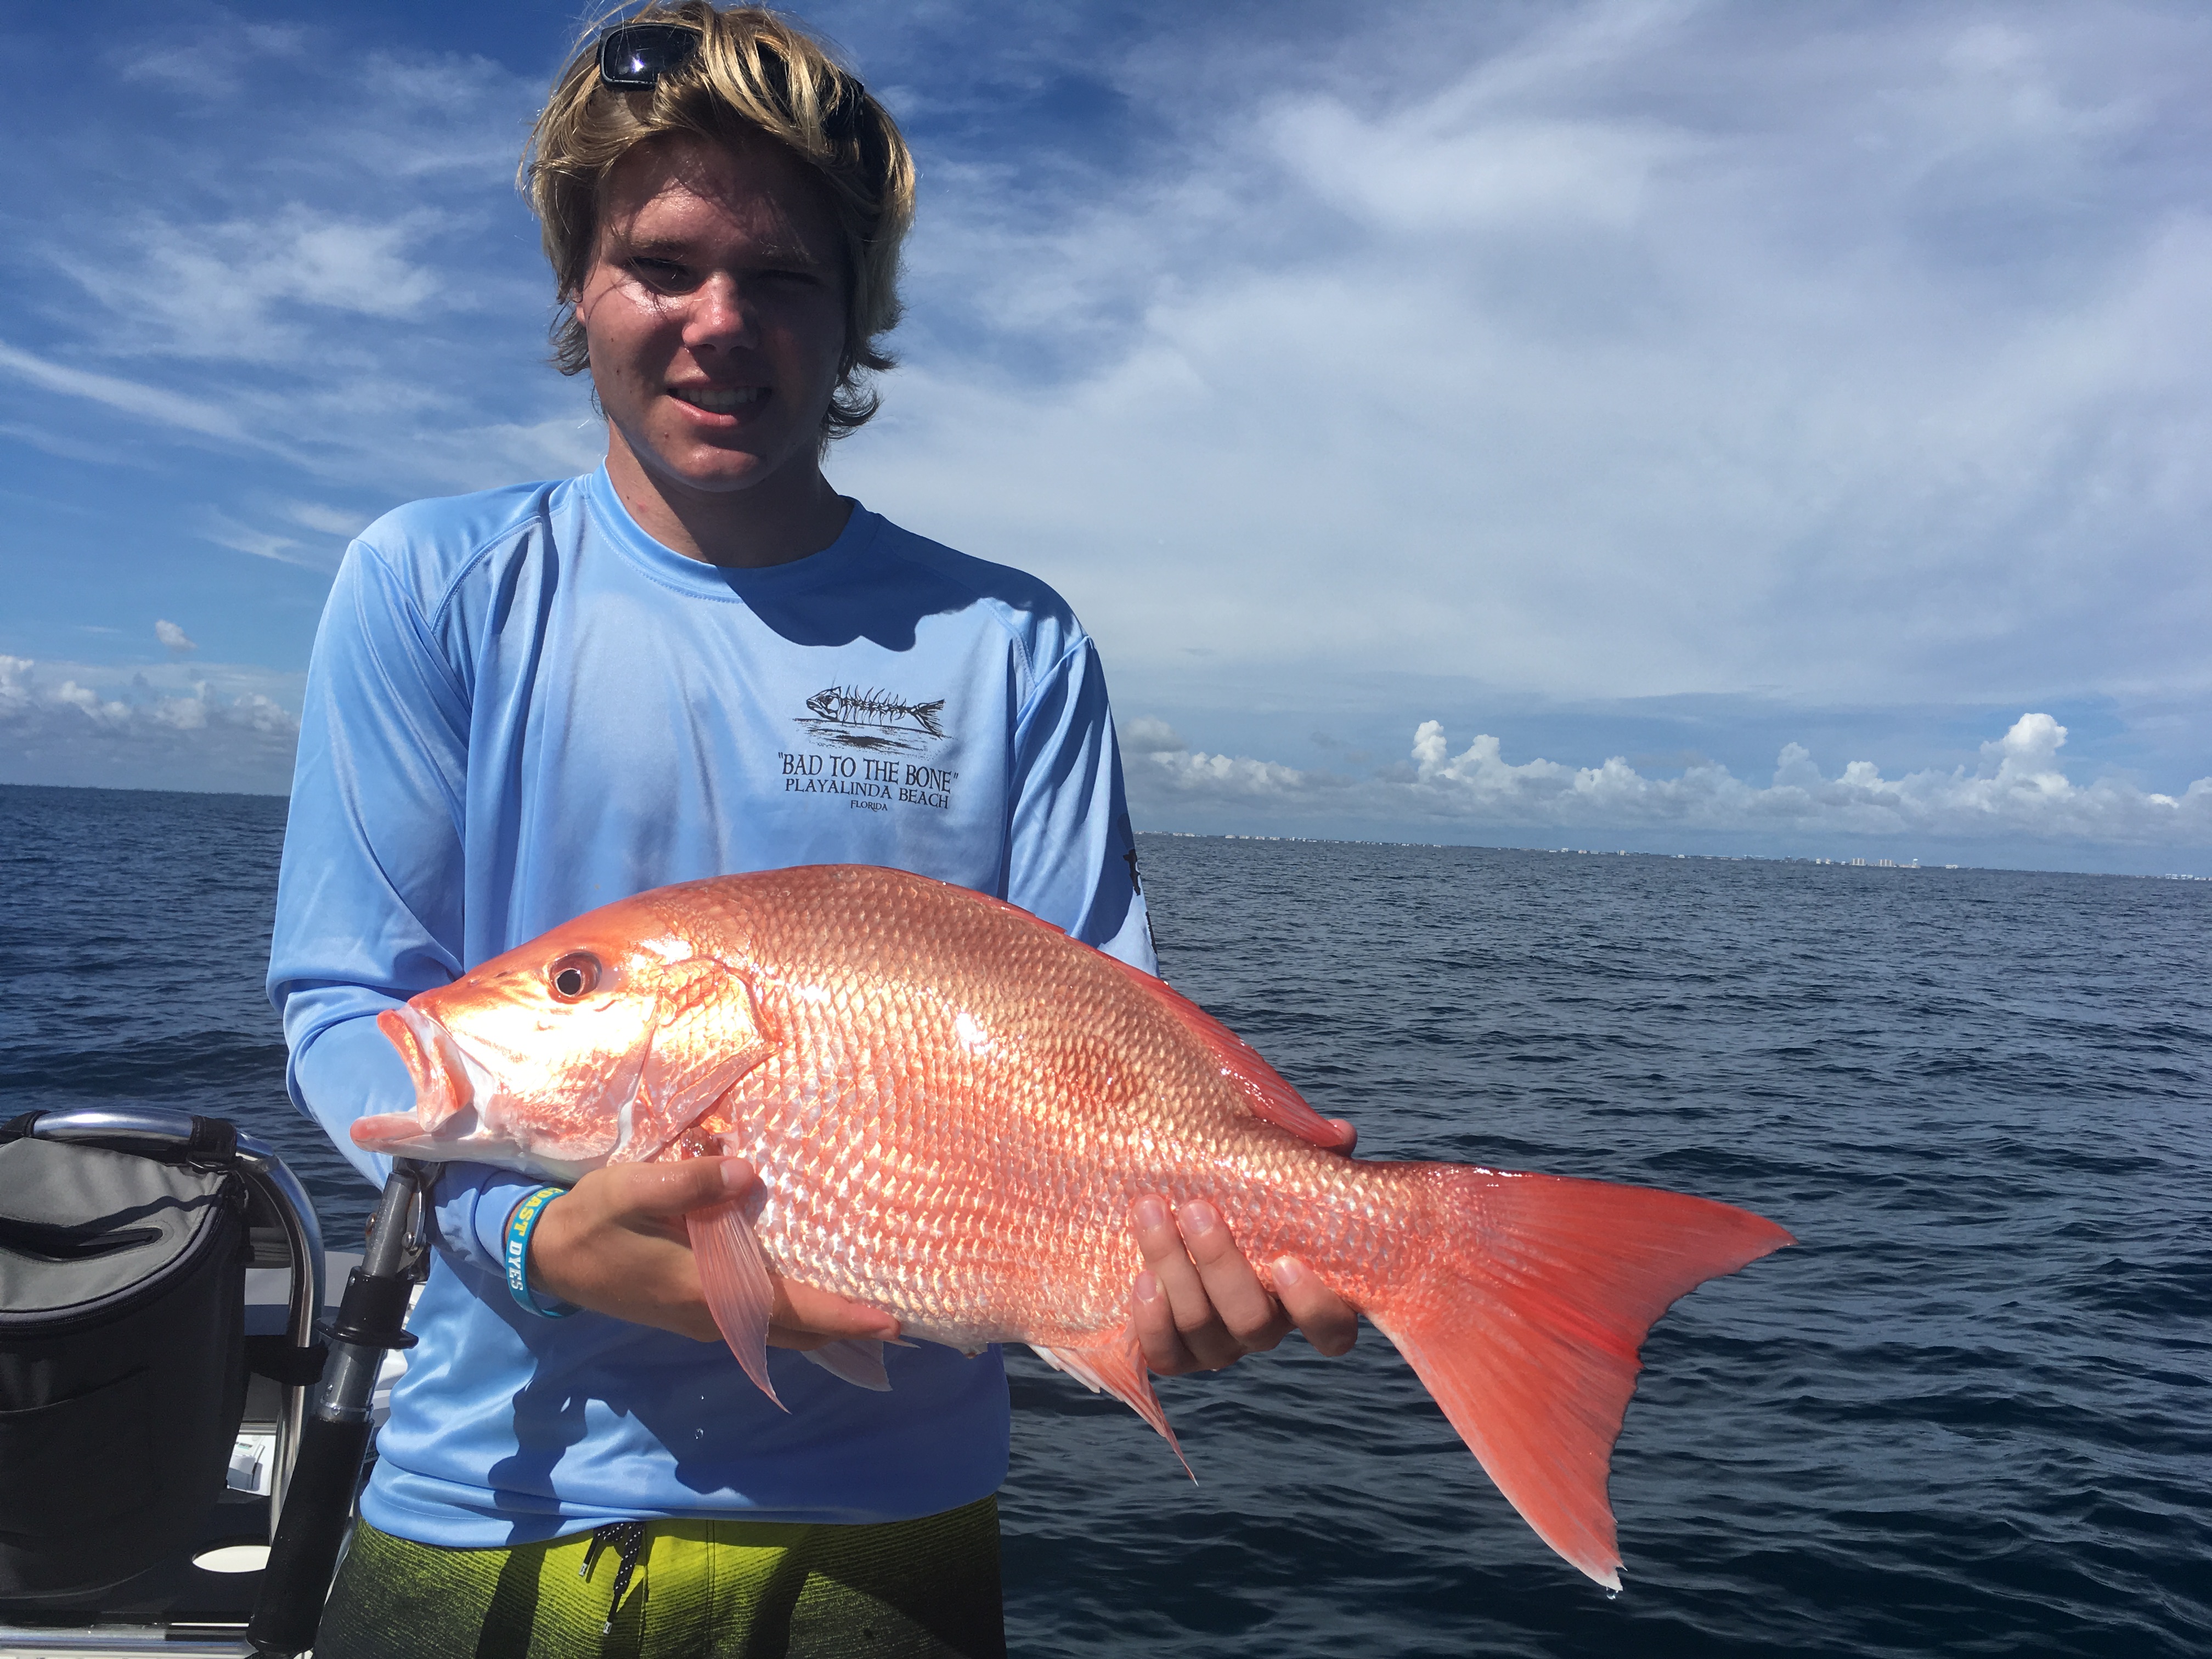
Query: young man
point(697, 659)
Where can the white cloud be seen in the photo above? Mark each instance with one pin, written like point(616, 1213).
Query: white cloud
point(224, 530)
point(1239, 778)
point(75, 723)
point(250, 289)
point(39, 435)
point(1661, 349)
point(2019, 792)
point(211, 67)
point(346, 284)
point(170, 408)
point(1431, 169)
point(481, 456)
point(1149, 735)
point(1578, 354)
point(329, 520)
point(172, 636)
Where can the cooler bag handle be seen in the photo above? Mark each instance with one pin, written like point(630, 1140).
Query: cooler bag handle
point(142, 1134)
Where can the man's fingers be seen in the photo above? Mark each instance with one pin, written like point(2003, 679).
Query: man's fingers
point(664, 1190)
point(1239, 1302)
point(1199, 1305)
point(1206, 1345)
point(618, 1244)
point(1158, 1339)
point(1215, 1305)
point(1324, 1318)
point(1158, 1242)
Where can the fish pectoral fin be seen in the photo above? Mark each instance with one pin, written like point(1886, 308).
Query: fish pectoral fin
point(859, 1360)
point(1116, 1366)
point(708, 1035)
point(734, 1277)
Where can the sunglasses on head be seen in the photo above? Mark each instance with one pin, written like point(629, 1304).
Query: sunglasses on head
point(634, 56)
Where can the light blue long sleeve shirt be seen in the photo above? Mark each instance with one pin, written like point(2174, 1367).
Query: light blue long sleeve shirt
point(522, 706)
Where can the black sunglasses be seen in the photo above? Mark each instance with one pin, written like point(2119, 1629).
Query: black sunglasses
point(635, 55)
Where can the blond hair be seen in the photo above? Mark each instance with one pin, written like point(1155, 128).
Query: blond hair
point(753, 76)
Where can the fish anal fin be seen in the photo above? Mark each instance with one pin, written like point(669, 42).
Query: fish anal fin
point(1115, 1366)
point(859, 1360)
point(734, 1277)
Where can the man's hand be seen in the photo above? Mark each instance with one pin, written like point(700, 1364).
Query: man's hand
point(1199, 1306)
point(617, 1245)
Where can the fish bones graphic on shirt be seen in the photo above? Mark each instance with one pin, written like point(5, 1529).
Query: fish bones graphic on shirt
point(953, 1107)
point(873, 719)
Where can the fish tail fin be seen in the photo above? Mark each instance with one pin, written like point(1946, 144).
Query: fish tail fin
point(1116, 1366)
point(1526, 1324)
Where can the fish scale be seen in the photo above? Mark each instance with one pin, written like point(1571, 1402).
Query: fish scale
point(1077, 1155)
point(953, 1107)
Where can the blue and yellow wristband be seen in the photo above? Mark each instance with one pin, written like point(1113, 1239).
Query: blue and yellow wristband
point(519, 1225)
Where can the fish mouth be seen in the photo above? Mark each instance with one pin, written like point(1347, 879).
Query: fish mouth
point(443, 1088)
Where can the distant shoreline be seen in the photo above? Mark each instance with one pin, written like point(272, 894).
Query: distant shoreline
point(1870, 861)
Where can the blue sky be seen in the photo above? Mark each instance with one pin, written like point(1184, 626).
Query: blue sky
point(1687, 427)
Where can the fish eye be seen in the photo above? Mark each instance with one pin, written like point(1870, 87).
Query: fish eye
point(573, 976)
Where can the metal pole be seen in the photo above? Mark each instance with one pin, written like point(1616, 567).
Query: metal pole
point(371, 1321)
point(303, 1236)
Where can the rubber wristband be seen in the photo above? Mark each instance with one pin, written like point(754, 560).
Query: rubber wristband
point(519, 1228)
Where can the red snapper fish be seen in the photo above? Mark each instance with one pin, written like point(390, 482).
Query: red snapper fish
point(953, 1107)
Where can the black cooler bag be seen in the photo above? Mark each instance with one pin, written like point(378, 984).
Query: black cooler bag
point(122, 1360)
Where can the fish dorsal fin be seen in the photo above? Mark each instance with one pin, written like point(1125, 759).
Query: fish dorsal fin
point(1262, 1087)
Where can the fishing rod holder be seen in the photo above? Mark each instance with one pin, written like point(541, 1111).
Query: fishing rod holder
point(371, 1322)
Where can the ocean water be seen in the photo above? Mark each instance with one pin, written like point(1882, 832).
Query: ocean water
point(1971, 1413)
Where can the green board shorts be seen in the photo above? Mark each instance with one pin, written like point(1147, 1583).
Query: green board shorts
point(695, 1589)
